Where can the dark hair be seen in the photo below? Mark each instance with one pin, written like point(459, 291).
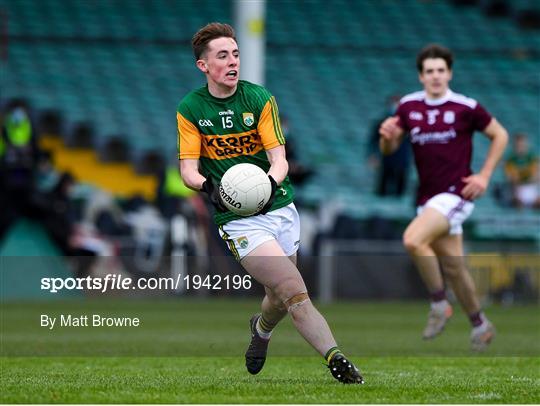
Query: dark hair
point(434, 51)
point(211, 31)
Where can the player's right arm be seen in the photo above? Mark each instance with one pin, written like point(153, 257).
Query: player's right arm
point(391, 135)
point(189, 150)
point(189, 171)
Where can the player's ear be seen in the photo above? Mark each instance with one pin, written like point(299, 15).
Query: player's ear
point(202, 65)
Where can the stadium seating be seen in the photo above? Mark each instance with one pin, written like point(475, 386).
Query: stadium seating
point(124, 65)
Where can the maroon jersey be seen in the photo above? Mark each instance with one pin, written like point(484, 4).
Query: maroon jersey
point(441, 135)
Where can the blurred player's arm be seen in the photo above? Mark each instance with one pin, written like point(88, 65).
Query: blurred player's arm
point(391, 135)
point(476, 184)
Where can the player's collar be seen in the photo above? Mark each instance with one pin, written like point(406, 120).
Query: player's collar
point(440, 100)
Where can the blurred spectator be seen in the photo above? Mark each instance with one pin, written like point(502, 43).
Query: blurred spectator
point(172, 194)
point(298, 173)
point(19, 145)
point(392, 169)
point(18, 156)
point(521, 169)
point(182, 206)
point(55, 215)
point(4, 220)
point(46, 177)
point(3, 145)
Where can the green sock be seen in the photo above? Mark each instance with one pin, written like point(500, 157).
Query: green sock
point(330, 353)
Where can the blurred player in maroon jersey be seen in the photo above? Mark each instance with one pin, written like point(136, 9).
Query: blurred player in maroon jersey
point(440, 125)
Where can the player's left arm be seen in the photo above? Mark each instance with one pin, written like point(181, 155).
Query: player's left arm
point(273, 140)
point(476, 184)
point(279, 167)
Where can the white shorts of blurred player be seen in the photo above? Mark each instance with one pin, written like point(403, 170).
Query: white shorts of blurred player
point(528, 194)
point(244, 235)
point(453, 207)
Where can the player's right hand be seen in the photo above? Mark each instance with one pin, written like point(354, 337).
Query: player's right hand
point(475, 186)
point(390, 129)
point(212, 191)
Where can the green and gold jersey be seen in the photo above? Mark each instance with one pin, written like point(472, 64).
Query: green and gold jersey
point(225, 132)
point(525, 166)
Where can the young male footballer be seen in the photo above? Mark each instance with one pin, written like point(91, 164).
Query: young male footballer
point(231, 121)
point(440, 124)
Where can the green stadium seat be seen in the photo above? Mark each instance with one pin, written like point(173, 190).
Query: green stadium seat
point(330, 67)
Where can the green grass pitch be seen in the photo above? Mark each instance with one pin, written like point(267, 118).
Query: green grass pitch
point(191, 351)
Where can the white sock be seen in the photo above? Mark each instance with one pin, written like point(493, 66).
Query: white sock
point(440, 306)
point(482, 327)
point(262, 334)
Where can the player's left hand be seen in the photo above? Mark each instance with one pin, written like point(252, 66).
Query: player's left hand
point(270, 201)
point(475, 186)
point(390, 129)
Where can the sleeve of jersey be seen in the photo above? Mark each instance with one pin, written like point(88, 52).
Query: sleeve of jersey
point(401, 113)
point(269, 127)
point(189, 139)
point(480, 118)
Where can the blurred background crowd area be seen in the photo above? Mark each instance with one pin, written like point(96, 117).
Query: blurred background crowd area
point(88, 166)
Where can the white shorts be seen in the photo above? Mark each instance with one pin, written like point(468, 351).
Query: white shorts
point(244, 235)
point(453, 207)
point(527, 194)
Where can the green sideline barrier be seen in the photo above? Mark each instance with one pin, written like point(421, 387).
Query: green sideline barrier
point(26, 255)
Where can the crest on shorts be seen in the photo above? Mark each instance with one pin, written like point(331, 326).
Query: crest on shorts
point(242, 242)
point(248, 119)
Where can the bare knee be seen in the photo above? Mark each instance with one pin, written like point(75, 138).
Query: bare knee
point(288, 287)
point(296, 301)
point(298, 305)
point(292, 294)
point(413, 245)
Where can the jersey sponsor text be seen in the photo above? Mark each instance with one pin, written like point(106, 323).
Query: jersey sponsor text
point(435, 137)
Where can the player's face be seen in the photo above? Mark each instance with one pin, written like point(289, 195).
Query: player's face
point(435, 77)
point(221, 63)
